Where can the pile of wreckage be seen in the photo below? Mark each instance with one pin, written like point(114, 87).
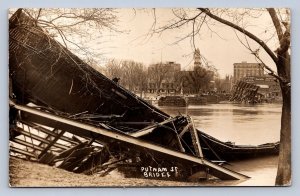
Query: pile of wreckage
point(244, 92)
point(66, 114)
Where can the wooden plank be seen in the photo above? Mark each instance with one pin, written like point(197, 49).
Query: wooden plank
point(185, 129)
point(47, 158)
point(51, 143)
point(67, 152)
point(38, 138)
point(150, 128)
point(20, 151)
point(216, 170)
point(75, 158)
point(178, 139)
point(95, 160)
point(195, 139)
point(49, 138)
point(49, 132)
point(219, 158)
point(24, 143)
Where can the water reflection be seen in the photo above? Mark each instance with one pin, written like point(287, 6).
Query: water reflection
point(239, 123)
point(261, 170)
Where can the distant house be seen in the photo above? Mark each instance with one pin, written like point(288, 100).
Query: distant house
point(161, 77)
point(225, 85)
point(243, 69)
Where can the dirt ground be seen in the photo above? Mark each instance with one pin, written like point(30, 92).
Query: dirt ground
point(262, 172)
point(28, 174)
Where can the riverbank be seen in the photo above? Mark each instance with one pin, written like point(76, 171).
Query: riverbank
point(29, 174)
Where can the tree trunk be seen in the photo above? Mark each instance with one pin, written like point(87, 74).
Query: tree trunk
point(283, 68)
point(284, 163)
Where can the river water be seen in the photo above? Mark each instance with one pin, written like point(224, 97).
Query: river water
point(242, 124)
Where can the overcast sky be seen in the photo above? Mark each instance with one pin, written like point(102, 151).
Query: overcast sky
point(133, 43)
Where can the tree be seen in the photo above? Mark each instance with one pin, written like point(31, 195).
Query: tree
point(196, 80)
point(113, 69)
point(157, 73)
point(132, 74)
point(235, 19)
point(74, 27)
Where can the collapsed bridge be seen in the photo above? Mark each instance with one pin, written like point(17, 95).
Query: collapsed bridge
point(65, 113)
point(245, 92)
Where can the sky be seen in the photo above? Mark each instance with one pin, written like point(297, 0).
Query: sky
point(220, 49)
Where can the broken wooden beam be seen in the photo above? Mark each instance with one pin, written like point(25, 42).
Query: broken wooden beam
point(51, 143)
point(150, 128)
point(214, 169)
point(47, 131)
point(195, 139)
point(23, 152)
point(38, 138)
point(24, 143)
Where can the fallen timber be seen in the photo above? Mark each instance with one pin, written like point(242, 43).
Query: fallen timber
point(104, 119)
point(214, 169)
point(244, 92)
point(229, 151)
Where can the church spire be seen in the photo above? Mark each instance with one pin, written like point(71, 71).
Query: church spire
point(197, 58)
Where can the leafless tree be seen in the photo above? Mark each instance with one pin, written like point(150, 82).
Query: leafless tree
point(113, 69)
point(74, 27)
point(157, 73)
point(279, 31)
point(132, 74)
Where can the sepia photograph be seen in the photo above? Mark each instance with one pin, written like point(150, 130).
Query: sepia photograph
point(149, 97)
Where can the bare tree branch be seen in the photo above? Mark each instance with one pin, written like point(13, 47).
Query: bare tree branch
point(242, 30)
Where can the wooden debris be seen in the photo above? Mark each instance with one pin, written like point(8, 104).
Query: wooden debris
point(245, 92)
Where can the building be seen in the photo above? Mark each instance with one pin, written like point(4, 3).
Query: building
point(224, 85)
point(253, 73)
point(197, 58)
point(197, 80)
point(161, 77)
point(167, 78)
point(244, 69)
